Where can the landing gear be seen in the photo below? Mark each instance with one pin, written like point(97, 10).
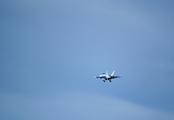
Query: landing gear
point(103, 80)
point(110, 80)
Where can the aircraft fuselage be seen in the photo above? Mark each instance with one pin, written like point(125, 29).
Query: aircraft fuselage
point(106, 76)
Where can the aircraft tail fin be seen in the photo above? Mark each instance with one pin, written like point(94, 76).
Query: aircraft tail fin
point(112, 73)
point(107, 73)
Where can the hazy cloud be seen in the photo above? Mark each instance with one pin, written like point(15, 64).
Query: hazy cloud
point(76, 106)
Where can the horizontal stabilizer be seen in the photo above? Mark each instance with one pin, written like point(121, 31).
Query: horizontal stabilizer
point(117, 76)
point(96, 77)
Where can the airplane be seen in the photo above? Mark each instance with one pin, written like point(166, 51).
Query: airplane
point(106, 76)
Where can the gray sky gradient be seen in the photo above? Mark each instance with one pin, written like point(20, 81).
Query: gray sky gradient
point(77, 105)
point(50, 51)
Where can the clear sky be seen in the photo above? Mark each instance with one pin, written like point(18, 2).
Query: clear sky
point(50, 51)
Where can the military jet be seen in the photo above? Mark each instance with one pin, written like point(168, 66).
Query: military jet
point(106, 76)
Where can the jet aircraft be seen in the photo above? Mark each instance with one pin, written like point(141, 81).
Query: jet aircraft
point(106, 76)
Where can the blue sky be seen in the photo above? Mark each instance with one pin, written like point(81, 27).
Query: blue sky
point(50, 51)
